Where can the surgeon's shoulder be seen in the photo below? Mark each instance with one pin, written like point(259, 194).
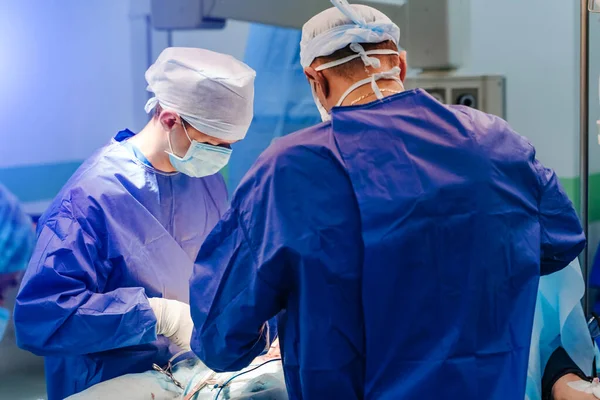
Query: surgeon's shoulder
point(494, 135)
point(302, 152)
point(79, 196)
point(316, 141)
point(291, 158)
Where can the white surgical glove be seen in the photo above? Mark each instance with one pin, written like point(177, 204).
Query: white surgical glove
point(173, 320)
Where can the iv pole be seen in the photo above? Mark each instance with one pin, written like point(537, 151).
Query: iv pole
point(584, 139)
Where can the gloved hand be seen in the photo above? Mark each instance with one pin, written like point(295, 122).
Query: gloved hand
point(173, 320)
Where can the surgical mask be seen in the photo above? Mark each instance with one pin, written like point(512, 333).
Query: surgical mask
point(201, 159)
point(325, 116)
point(4, 318)
point(374, 62)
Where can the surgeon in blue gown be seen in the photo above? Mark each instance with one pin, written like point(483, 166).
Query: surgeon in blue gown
point(400, 242)
point(16, 244)
point(106, 291)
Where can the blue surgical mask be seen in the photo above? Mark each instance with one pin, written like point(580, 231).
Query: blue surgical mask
point(4, 318)
point(201, 159)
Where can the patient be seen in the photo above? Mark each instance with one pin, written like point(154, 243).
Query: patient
point(559, 372)
point(561, 346)
point(265, 381)
point(262, 380)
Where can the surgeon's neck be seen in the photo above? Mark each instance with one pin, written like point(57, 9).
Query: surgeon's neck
point(365, 94)
point(151, 142)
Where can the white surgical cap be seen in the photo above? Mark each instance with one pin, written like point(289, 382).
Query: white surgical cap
point(337, 27)
point(212, 92)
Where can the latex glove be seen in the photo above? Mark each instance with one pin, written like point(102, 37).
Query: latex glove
point(571, 387)
point(173, 320)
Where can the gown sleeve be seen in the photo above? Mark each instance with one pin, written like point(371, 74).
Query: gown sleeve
point(562, 234)
point(246, 268)
point(60, 308)
point(231, 297)
point(512, 155)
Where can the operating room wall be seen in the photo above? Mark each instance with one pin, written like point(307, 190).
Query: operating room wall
point(71, 76)
point(65, 88)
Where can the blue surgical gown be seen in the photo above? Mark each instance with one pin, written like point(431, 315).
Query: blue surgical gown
point(401, 245)
point(118, 232)
point(16, 235)
point(16, 244)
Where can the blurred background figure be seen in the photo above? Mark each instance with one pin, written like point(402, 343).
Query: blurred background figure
point(16, 244)
point(17, 238)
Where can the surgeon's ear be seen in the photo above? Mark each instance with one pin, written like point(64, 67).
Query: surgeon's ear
point(316, 78)
point(167, 120)
point(403, 65)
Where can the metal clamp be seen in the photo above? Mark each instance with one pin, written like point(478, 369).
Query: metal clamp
point(168, 370)
point(592, 7)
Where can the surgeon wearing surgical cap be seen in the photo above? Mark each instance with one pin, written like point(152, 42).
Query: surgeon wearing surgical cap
point(400, 242)
point(17, 238)
point(106, 291)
